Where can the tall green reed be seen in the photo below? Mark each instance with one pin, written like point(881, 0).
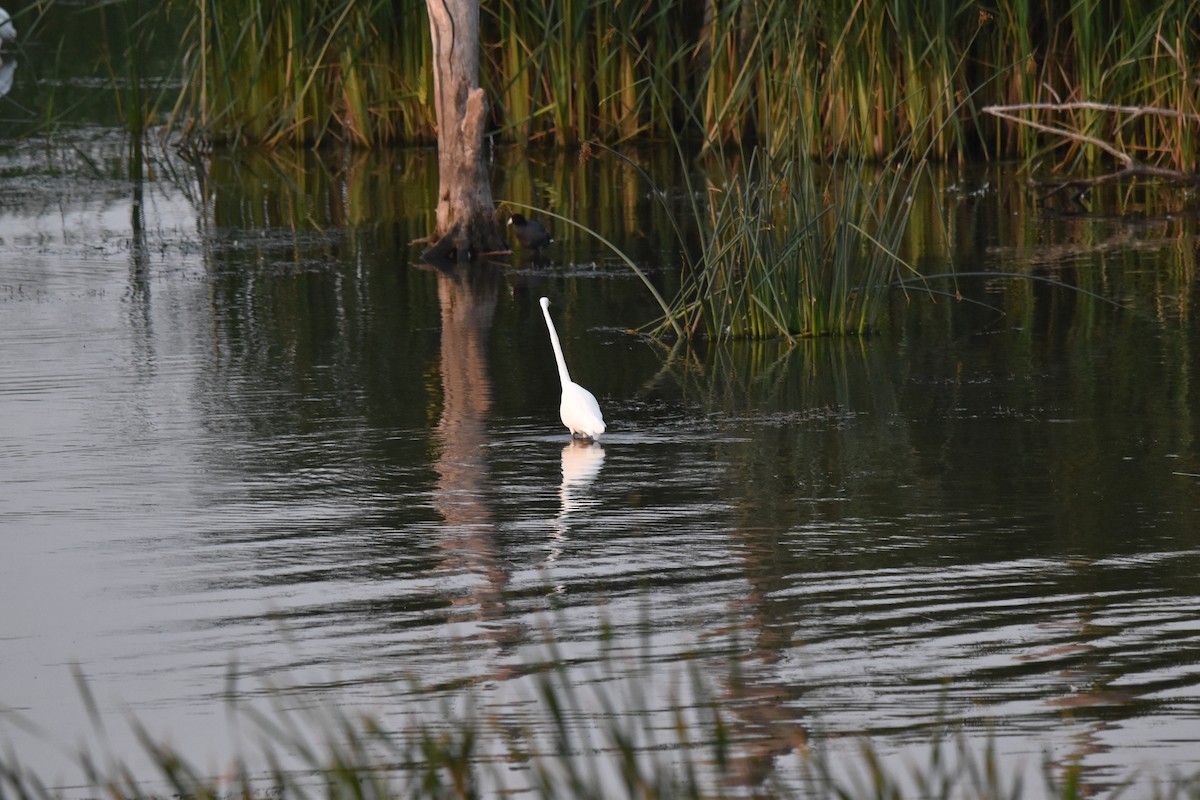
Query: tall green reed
point(307, 71)
point(583, 69)
point(848, 78)
point(791, 248)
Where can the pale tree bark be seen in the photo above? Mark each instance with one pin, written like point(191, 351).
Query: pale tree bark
point(466, 227)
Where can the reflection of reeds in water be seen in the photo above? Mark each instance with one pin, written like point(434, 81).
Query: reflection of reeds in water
point(759, 235)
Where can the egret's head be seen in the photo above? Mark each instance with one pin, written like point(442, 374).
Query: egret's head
point(546, 303)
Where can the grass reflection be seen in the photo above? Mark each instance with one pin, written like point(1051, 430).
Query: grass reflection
point(993, 256)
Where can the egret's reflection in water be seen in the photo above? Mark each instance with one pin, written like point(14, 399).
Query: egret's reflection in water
point(581, 463)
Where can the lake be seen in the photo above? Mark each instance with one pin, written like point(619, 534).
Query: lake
point(257, 460)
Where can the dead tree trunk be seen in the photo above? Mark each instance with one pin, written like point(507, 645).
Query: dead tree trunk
point(466, 218)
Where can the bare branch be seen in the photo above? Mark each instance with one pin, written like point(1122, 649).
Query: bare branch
point(1131, 167)
point(1136, 111)
point(1005, 112)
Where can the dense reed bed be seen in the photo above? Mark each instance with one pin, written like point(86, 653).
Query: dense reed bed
point(304, 72)
point(790, 248)
point(795, 237)
point(841, 78)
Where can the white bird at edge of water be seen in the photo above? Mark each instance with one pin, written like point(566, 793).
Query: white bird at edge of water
point(578, 408)
point(8, 32)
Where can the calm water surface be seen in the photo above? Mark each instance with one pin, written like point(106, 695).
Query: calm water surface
point(246, 440)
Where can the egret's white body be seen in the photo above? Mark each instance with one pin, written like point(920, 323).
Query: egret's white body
point(578, 409)
point(8, 33)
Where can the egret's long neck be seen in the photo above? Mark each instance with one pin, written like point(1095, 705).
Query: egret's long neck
point(563, 375)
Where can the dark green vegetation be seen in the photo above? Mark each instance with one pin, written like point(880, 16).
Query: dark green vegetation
point(847, 77)
point(785, 249)
point(790, 248)
point(813, 122)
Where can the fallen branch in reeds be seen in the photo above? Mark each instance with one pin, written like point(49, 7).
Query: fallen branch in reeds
point(1130, 166)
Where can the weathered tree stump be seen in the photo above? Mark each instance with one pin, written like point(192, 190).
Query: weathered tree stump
point(466, 229)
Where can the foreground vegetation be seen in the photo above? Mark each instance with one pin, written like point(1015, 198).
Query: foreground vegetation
point(552, 752)
point(851, 77)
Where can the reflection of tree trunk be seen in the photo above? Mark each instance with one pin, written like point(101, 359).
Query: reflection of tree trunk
point(466, 221)
point(468, 307)
point(766, 721)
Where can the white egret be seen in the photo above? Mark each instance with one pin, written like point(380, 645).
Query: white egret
point(8, 32)
point(578, 409)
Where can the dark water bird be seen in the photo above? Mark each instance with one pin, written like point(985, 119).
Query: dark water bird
point(8, 32)
point(578, 408)
point(530, 233)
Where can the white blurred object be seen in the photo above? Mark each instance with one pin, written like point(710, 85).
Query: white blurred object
point(581, 464)
point(8, 31)
point(7, 68)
